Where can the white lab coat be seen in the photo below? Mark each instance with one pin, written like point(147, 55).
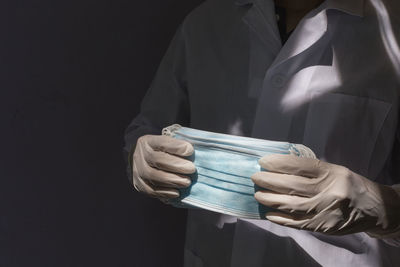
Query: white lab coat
point(333, 86)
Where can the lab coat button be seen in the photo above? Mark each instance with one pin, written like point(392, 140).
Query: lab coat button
point(278, 80)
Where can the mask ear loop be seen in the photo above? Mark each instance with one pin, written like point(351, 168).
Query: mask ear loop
point(301, 151)
point(170, 130)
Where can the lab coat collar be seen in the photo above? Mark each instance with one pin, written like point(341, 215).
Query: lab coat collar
point(353, 7)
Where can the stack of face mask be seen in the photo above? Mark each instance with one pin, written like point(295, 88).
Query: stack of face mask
point(225, 164)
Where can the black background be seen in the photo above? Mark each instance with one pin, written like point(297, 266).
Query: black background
point(72, 76)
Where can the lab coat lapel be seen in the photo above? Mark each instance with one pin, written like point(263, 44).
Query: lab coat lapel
point(262, 25)
point(301, 50)
point(308, 46)
point(313, 27)
point(264, 40)
point(310, 30)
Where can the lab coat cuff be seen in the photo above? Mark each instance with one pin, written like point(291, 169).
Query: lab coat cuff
point(130, 165)
point(392, 238)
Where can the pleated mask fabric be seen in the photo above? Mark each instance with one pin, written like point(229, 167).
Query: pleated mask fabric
point(225, 164)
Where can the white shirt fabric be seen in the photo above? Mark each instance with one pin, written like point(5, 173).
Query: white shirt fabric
point(333, 86)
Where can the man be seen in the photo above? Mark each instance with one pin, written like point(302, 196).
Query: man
point(333, 86)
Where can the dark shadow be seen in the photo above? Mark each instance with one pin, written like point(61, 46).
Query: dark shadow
point(256, 247)
point(205, 225)
point(73, 74)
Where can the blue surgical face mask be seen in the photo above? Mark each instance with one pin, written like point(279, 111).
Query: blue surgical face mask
point(224, 166)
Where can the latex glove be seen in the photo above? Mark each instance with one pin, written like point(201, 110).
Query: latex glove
point(314, 195)
point(158, 167)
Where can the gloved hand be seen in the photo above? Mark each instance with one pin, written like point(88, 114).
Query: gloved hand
point(158, 169)
point(314, 195)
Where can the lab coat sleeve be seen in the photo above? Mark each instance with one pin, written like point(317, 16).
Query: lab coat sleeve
point(166, 101)
point(394, 238)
